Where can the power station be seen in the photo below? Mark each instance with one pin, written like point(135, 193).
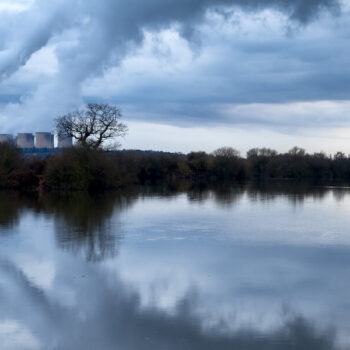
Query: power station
point(41, 140)
point(44, 140)
point(6, 138)
point(64, 142)
point(25, 140)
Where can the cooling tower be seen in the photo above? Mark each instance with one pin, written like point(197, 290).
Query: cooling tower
point(25, 140)
point(64, 142)
point(44, 140)
point(6, 138)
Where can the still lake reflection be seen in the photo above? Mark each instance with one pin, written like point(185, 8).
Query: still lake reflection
point(233, 267)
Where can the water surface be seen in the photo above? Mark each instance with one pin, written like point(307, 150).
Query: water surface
point(232, 267)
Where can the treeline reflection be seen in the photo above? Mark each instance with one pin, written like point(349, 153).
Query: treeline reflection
point(89, 224)
point(84, 223)
point(226, 193)
point(10, 206)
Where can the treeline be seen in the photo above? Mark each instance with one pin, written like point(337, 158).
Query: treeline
point(80, 168)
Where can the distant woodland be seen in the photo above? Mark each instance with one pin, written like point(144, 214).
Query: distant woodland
point(80, 168)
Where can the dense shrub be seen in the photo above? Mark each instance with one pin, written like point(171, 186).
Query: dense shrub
point(10, 160)
point(228, 165)
point(29, 174)
point(162, 166)
point(79, 168)
point(200, 163)
point(297, 164)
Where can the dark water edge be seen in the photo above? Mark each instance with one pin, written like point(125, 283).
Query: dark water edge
point(198, 187)
point(104, 246)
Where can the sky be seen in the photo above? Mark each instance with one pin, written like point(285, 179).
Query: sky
point(187, 74)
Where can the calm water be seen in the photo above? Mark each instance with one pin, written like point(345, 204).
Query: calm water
point(235, 267)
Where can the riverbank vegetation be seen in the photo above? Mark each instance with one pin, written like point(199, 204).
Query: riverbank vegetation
point(80, 168)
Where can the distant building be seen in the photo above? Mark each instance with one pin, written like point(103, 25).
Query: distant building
point(41, 141)
point(44, 140)
point(6, 138)
point(25, 140)
point(64, 142)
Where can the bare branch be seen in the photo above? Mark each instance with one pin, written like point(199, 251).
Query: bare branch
point(92, 126)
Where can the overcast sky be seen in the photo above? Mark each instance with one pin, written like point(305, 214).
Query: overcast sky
point(188, 74)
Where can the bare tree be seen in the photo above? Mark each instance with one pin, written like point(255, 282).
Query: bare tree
point(93, 126)
point(297, 151)
point(226, 152)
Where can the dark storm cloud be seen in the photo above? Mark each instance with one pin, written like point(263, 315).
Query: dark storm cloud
point(92, 35)
point(261, 69)
point(112, 25)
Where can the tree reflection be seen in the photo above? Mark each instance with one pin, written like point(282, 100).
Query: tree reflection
point(88, 223)
point(294, 191)
point(9, 213)
point(12, 204)
point(84, 223)
point(228, 195)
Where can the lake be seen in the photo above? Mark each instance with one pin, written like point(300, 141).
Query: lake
point(255, 266)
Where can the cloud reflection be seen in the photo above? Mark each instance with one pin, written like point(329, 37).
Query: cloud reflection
point(108, 315)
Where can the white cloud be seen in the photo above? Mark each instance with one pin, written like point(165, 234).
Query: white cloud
point(151, 136)
point(14, 336)
point(15, 5)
